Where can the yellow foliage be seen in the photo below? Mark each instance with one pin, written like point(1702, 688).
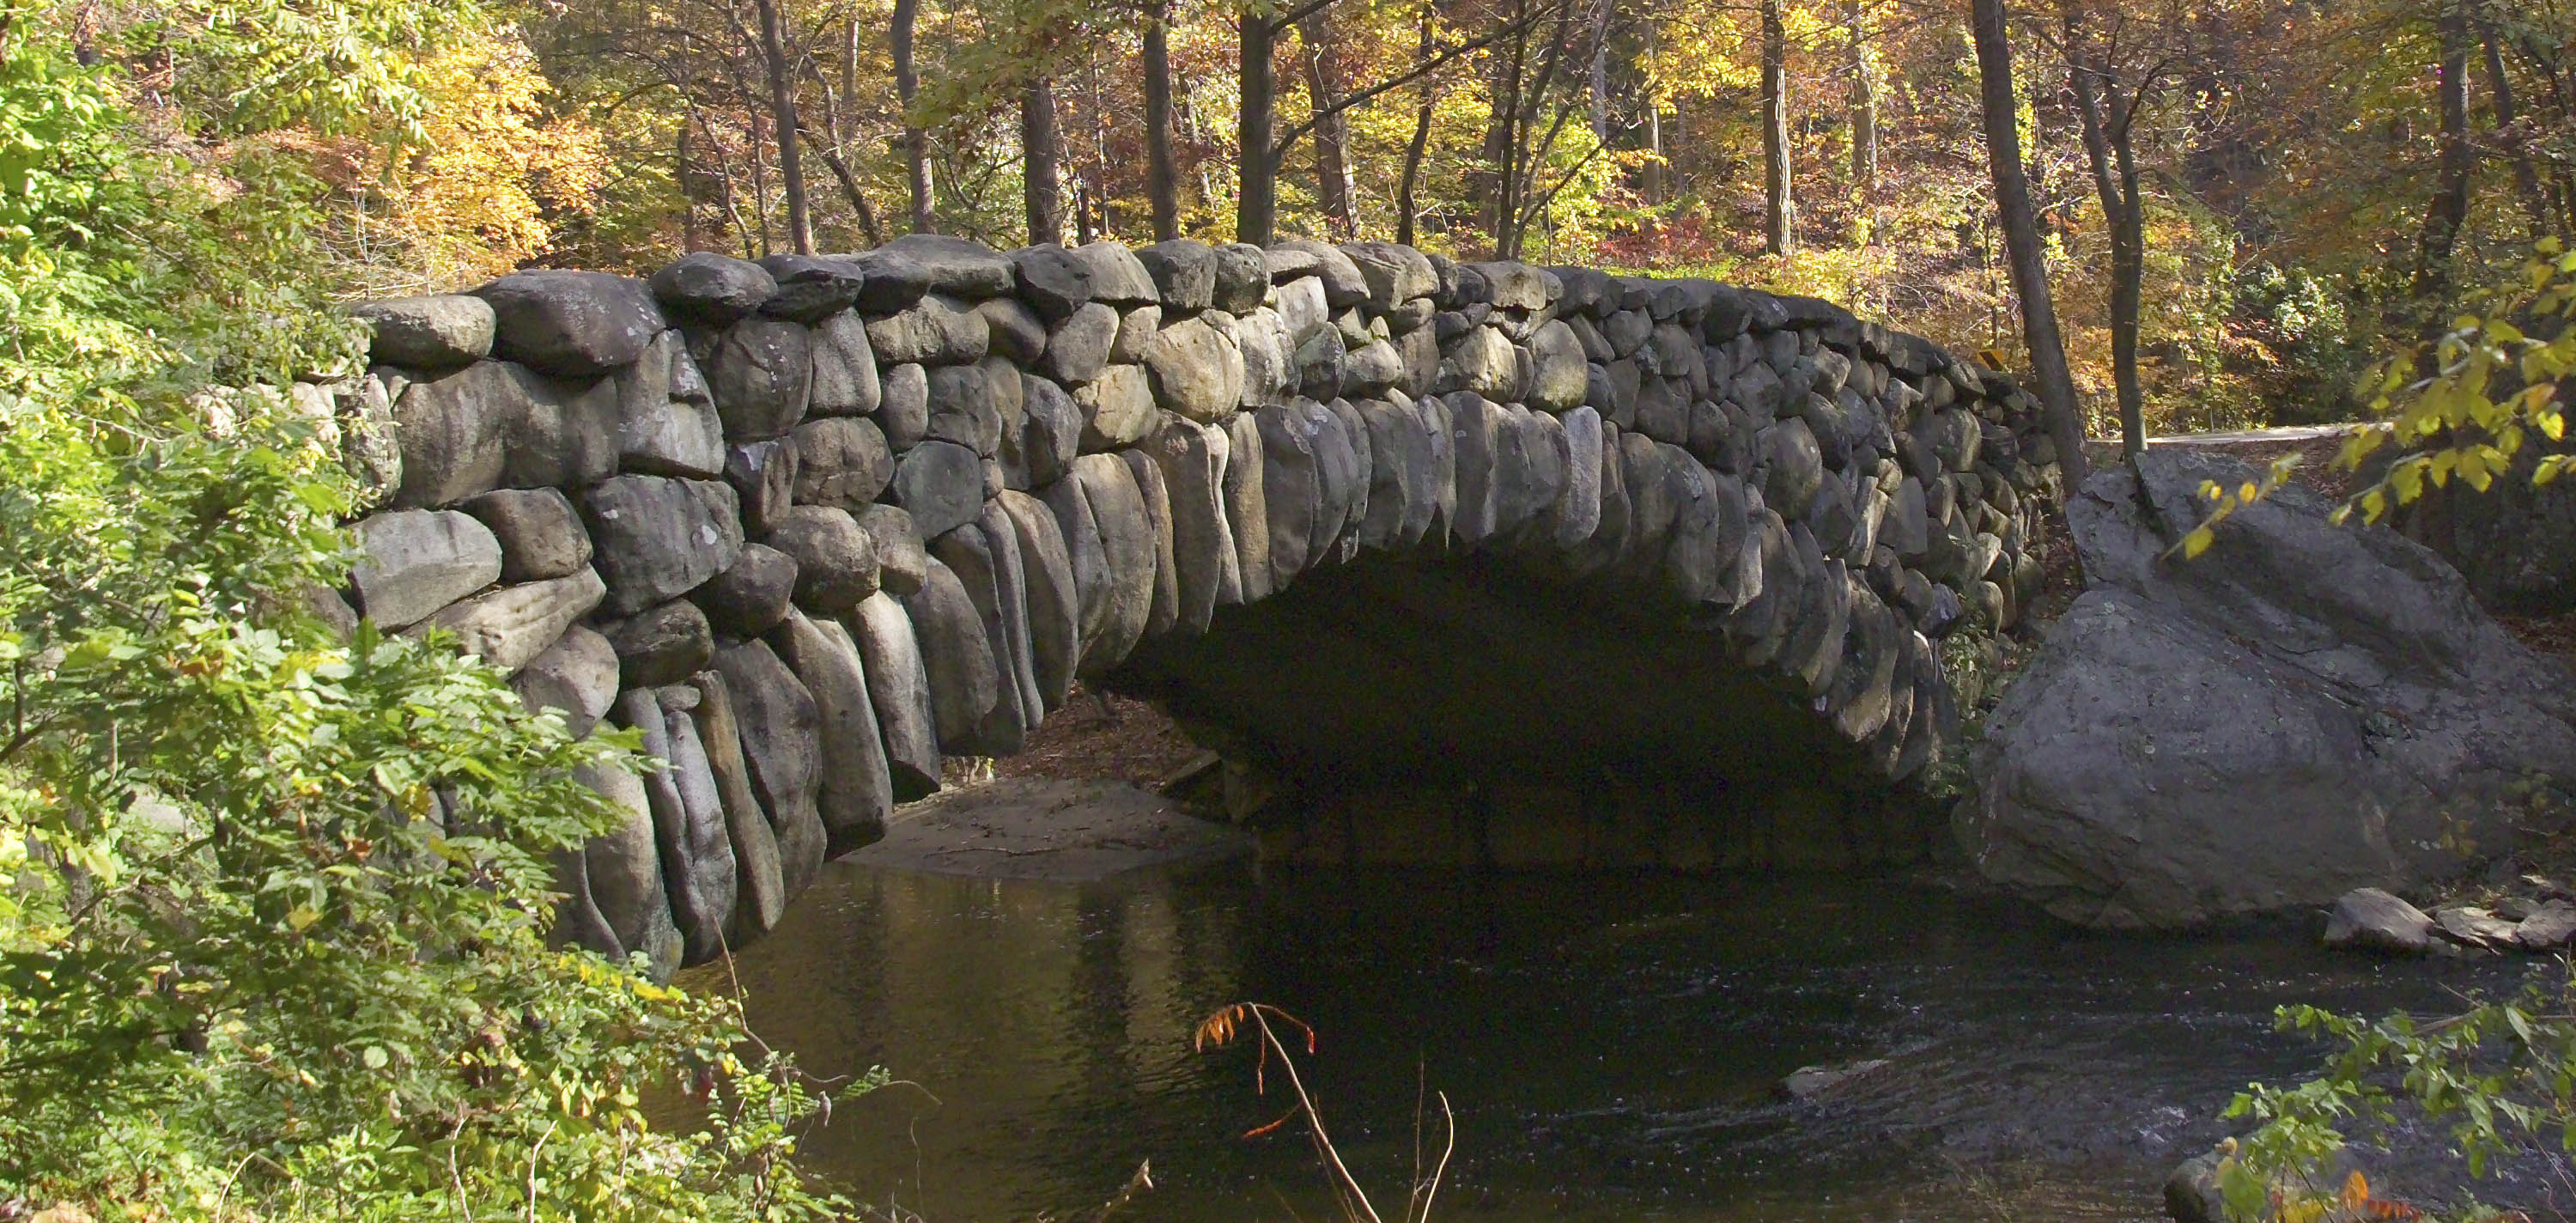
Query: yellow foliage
point(485, 189)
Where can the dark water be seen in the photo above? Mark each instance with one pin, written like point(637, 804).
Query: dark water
point(1611, 1045)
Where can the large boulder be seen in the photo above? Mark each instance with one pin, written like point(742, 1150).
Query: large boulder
point(781, 731)
point(571, 324)
point(413, 562)
point(1197, 370)
point(655, 537)
point(509, 627)
point(497, 424)
point(539, 532)
point(705, 287)
point(2303, 709)
point(434, 332)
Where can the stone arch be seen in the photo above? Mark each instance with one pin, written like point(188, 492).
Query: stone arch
point(811, 523)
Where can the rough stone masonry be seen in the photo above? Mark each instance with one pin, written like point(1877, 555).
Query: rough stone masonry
point(809, 524)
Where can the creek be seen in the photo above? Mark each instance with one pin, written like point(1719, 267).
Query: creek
point(1613, 1045)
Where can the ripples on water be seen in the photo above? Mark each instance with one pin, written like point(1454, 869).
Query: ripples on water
point(1612, 1044)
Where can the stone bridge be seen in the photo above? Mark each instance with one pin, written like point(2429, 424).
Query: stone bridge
point(1364, 518)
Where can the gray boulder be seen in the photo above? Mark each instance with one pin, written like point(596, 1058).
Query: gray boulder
point(763, 375)
point(752, 595)
point(2374, 920)
point(780, 730)
point(856, 792)
point(899, 688)
point(576, 677)
point(836, 562)
point(810, 289)
point(937, 330)
point(1392, 273)
point(1053, 279)
point(656, 538)
point(903, 412)
point(666, 419)
point(1242, 277)
point(901, 562)
point(902, 271)
point(841, 461)
point(1196, 370)
point(2301, 710)
point(966, 406)
point(763, 477)
point(1117, 276)
point(941, 484)
point(688, 818)
point(1054, 603)
point(539, 532)
point(760, 882)
point(845, 369)
point(1184, 273)
point(570, 324)
point(497, 424)
point(957, 659)
point(1078, 345)
point(1016, 331)
point(623, 874)
point(1050, 433)
point(705, 287)
point(511, 626)
point(1117, 408)
point(440, 331)
point(413, 562)
point(1558, 371)
point(662, 645)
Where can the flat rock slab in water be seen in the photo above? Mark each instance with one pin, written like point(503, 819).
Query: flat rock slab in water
point(1059, 831)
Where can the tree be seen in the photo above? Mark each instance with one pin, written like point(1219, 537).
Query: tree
point(1041, 151)
point(782, 109)
point(907, 84)
point(1864, 104)
point(1780, 211)
point(2448, 210)
point(1162, 178)
point(2108, 107)
point(2021, 236)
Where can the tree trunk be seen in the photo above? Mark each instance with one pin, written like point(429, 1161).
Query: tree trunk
point(1162, 181)
point(2107, 140)
point(782, 112)
point(2526, 175)
point(907, 86)
point(1334, 185)
point(684, 175)
point(1256, 205)
point(1421, 142)
point(1041, 154)
point(1601, 74)
point(1653, 186)
point(1780, 212)
point(2027, 259)
point(1864, 111)
point(2449, 208)
point(849, 189)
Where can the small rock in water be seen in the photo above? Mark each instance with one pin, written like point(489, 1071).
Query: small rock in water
point(2375, 920)
point(2192, 1193)
point(2475, 927)
point(2548, 928)
point(1808, 1082)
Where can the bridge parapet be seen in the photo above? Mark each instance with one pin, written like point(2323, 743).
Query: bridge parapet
point(812, 523)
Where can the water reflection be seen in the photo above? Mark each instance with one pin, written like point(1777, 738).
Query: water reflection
point(1613, 1044)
